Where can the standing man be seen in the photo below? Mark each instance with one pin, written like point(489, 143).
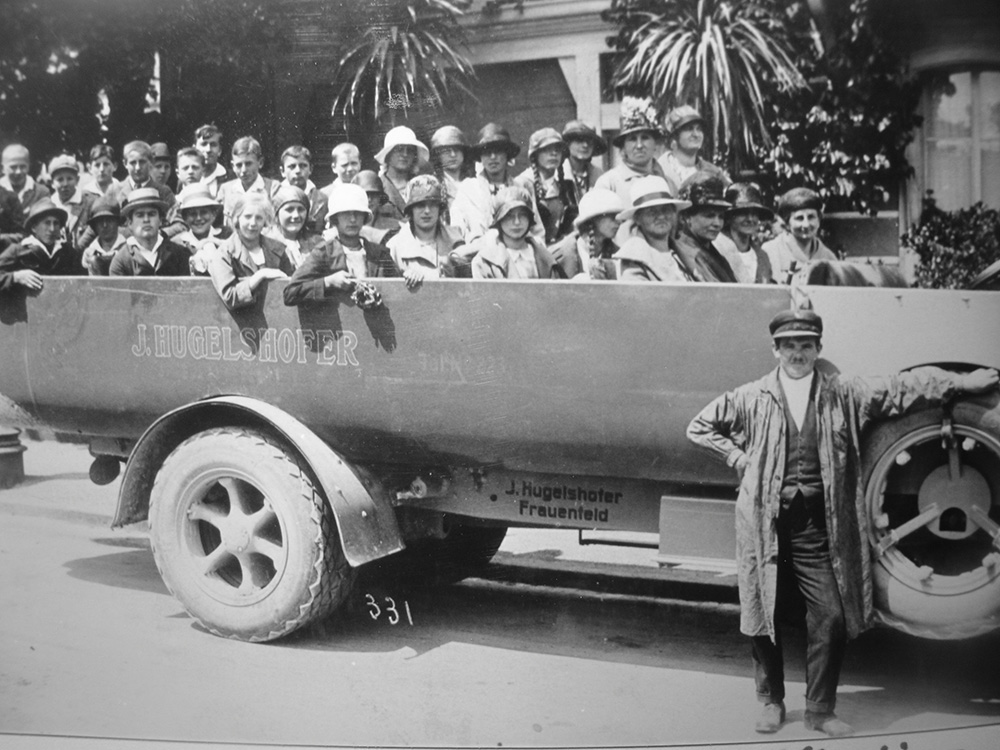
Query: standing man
point(790, 436)
point(208, 140)
point(16, 163)
point(686, 136)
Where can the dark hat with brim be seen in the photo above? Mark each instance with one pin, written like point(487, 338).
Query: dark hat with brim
point(704, 190)
point(495, 137)
point(578, 130)
point(637, 116)
point(144, 198)
point(746, 197)
point(40, 209)
point(104, 208)
point(790, 323)
point(544, 138)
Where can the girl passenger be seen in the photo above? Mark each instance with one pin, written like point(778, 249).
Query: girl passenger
point(421, 248)
point(554, 193)
point(508, 250)
point(587, 252)
point(246, 260)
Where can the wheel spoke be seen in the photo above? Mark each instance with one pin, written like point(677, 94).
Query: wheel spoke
point(206, 513)
point(987, 524)
point(214, 560)
point(268, 548)
point(251, 573)
point(900, 532)
point(237, 496)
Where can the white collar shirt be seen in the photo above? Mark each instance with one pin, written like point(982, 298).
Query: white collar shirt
point(796, 394)
point(149, 255)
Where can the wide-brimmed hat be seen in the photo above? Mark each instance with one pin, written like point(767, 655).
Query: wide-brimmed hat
point(637, 115)
point(511, 197)
point(493, 135)
point(63, 161)
point(346, 196)
point(449, 136)
point(143, 198)
point(402, 136)
point(40, 209)
point(160, 151)
point(424, 188)
point(544, 138)
point(598, 202)
point(789, 323)
point(104, 207)
point(798, 199)
point(681, 116)
point(580, 130)
point(290, 194)
point(704, 190)
point(647, 192)
point(196, 195)
point(745, 197)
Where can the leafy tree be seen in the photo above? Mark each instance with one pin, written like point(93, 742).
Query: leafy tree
point(726, 57)
point(407, 56)
point(846, 135)
point(953, 247)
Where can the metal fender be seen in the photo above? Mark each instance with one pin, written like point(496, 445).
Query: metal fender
point(361, 507)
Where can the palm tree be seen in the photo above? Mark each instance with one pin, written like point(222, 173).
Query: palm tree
point(725, 57)
point(407, 56)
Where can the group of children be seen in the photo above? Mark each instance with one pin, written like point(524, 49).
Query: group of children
point(454, 209)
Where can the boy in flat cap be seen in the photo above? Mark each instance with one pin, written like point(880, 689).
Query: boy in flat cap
point(42, 253)
point(790, 436)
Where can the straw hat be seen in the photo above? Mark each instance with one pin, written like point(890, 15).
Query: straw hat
point(647, 192)
point(143, 198)
point(598, 202)
point(196, 195)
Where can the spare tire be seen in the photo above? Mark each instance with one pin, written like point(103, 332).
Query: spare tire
point(932, 495)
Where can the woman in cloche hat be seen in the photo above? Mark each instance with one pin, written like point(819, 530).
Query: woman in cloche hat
point(453, 162)
point(587, 252)
point(508, 250)
point(423, 244)
point(553, 192)
point(402, 156)
point(739, 242)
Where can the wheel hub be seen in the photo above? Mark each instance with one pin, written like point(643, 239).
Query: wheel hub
point(955, 497)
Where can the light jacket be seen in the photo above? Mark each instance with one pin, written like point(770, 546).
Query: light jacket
point(640, 261)
point(751, 420)
point(492, 260)
point(231, 264)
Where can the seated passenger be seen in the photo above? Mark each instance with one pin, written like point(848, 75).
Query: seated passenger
point(11, 219)
point(584, 144)
point(508, 250)
point(292, 225)
point(699, 225)
point(147, 252)
point(68, 195)
point(800, 210)
point(105, 222)
point(163, 166)
point(739, 241)
point(335, 265)
point(190, 168)
point(472, 211)
point(552, 191)
point(200, 213)
point(649, 253)
point(381, 226)
point(138, 156)
point(452, 161)
point(16, 161)
point(296, 167)
point(100, 179)
point(345, 161)
point(638, 139)
point(247, 259)
point(42, 253)
point(247, 160)
point(587, 253)
point(421, 249)
point(402, 157)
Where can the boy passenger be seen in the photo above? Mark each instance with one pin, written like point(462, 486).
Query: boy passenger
point(104, 221)
point(16, 163)
point(200, 212)
point(190, 168)
point(101, 168)
point(345, 161)
point(247, 161)
point(208, 141)
point(162, 165)
point(296, 167)
point(65, 174)
point(148, 252)
point(381, 227)
point(42, 253)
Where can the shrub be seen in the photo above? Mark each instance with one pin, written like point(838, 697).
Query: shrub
point(953, 246)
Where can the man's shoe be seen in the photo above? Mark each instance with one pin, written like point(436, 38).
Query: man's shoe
point(771, 719)
point(828, 724)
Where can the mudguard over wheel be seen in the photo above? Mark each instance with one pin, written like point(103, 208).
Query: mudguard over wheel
point(933, 498)
point(242, 538)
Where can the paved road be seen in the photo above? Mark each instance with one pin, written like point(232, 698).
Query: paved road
point(92, 646)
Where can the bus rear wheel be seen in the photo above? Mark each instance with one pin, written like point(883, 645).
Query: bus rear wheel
point(933, 499)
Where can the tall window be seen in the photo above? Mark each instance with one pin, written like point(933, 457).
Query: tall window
point(962, 139)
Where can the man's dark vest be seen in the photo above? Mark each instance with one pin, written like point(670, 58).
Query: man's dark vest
point(802, 470)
